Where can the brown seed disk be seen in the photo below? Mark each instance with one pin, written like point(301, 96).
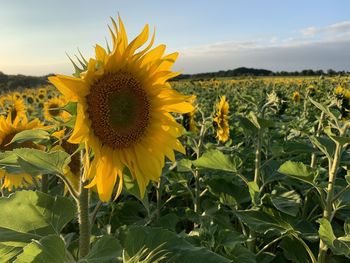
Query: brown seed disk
point(54, 110)
point(118, 108)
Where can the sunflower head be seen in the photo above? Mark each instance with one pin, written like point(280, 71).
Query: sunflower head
point(14, 107)
point(8, 130)
point(296, 96)
point(221, 120)
point(124, 102)
point(53, 109)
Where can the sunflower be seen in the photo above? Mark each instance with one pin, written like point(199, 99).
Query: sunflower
point(124, 102)
point(189, 122)
point(53, 109)
point(15, 108)
point(30, 99)
point(221, 120)
point(296, 96)
point(8, 130)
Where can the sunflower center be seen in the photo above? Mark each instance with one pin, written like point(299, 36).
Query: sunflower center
point(118, 108)
point(54, 109)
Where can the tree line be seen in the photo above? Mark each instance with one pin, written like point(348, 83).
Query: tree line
point(18, 82)
point(243, 71)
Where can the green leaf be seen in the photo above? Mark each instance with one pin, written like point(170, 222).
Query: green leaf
point(71, 108)
point(48, 249)
point(36, 135)
point(7, 252)
point(325, 110)
point(247, 125)
point(27, 215)
point(294, 251)
point(298, 171)
point(325, 145)
point(135, 238)
point(242, 254)
point(215, 159)
point(184, 165)
point(263, 223)
point(224, 186)
point(36, 162)
point(339, 246)
point(106, 249)
point(133, 188)
point(254, 192)
point(288, 202)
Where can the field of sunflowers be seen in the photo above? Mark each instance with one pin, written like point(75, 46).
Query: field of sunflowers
point(120, 164)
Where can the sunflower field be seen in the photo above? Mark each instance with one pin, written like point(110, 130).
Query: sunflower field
point(120, 163)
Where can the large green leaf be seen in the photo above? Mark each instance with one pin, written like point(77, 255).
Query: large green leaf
point(135, 238)
point(34, 162)
point(48, 249)
point(288, 202)
point(339, 246)
point(28, 215)
point(106, 249)
point(215, 159)
point(325, 110)
point(35, 135)
point(39, 162)
point(263, 223)
point(298, 171)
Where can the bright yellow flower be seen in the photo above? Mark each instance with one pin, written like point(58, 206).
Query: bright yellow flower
point(339, 90)
point(123, 111)
point(221, 120)
point(296, 96)
point(53, 109)
point(15, 108)
point(8, 130)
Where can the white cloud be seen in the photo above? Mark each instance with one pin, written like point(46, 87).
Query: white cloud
point(294, 53)
point(332, 29)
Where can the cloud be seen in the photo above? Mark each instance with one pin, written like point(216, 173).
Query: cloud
point(336, 28)
point(294, 53)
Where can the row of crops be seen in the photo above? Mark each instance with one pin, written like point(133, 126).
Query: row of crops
point(264, 178)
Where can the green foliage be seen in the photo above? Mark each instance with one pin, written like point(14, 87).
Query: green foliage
point(36, 215)
point(180, 250)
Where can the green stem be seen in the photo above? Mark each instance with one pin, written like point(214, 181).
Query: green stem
point(318, 131)
point(159, 195)
point(84, 222)
point(327, 213)
point(196, 191)
point(258, 158)
point(312, 257)
point(269, 244)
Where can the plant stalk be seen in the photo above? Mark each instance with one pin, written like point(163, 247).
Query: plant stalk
point(328, 210)
point(84, 222)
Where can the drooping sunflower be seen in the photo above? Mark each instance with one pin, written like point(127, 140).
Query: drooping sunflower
point(123, 111)
point(221, 120)
point(53, 109)
point(296, 96)
point(8, 130)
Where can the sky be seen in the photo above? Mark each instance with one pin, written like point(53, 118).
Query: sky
point(35, 35)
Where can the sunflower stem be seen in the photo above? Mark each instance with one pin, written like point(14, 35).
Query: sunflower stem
point(318, 131)
point(158, 191)
point(328, 210)
point(84, 222)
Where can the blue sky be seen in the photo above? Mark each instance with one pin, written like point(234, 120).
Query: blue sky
point(210, 35)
